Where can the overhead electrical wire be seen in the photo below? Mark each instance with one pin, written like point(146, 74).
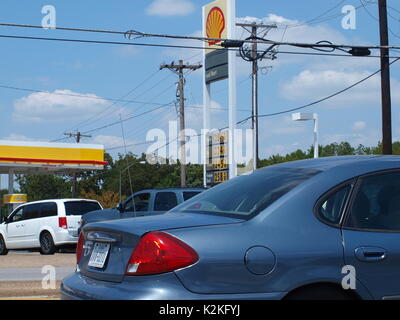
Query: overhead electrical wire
point(377, 20)
point(136, 97)
point(122, 120)
point(325, 98)
point(262, 41)
point(309, 104)
point(114, 103)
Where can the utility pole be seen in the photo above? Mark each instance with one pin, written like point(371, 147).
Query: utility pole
point(179, 70)
point(78, 137)
point(385, 80)
point(253, 29)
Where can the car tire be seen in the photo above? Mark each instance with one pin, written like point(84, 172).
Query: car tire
point(320, 293)
point(47, 246)
point(3, 248)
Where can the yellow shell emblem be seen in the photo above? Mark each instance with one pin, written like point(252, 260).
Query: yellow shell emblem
point(215, 25)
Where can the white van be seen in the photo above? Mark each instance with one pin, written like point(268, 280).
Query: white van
point(44, 224)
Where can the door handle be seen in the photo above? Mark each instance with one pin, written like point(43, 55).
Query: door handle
point(370, 254)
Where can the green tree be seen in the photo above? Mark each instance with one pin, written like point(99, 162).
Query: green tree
point(42, 187)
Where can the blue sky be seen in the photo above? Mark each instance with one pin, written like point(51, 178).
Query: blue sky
point(112, 71)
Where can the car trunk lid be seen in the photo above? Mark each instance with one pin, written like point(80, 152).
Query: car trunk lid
point(113, 242)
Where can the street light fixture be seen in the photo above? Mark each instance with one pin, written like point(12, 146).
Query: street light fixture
point(306, 117)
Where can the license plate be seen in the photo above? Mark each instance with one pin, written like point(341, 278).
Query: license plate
point(99, 255)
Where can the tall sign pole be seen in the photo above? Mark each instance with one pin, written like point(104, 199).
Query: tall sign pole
point(231, 8)
point(219, 64)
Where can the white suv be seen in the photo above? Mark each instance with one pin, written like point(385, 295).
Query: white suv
point(44, 224)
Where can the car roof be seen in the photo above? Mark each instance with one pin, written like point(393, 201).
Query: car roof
point(59, 200)
point(174, 189)
point(369, 162)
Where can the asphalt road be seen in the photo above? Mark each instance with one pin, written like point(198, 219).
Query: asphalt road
point(33, 274)
point(21, 273)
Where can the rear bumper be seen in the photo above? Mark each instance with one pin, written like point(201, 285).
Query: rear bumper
point(159, 287)
point(66, 237)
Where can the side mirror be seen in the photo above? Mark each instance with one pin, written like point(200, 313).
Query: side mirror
point(120, 207)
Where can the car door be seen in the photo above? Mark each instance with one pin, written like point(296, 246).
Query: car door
point(31, 224)
point(15, 232)
point(371, 234)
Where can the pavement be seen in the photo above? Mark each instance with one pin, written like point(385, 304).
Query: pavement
point(33, 274)
point(22, 274)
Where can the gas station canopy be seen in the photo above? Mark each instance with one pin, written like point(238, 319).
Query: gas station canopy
point(48, 158)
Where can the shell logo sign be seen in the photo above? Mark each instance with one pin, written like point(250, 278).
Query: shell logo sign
point(215, 23)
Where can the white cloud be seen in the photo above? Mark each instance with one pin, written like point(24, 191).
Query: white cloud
point(170, 8)
point(17, 137)
point(359, 126)
point(307, 33)
point(314, 84)
point(61, 106)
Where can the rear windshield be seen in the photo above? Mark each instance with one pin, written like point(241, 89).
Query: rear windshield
point(246, 196)
point(78, 208)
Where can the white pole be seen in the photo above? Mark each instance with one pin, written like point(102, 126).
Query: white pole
point(232, 90)
point(206, 115)
point(316, 143)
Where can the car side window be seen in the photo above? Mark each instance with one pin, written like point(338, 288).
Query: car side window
point(128, 206)
point(331, 208)
point(17, 216)
point(139, 202)
point(377, 203)
point(48, 209)
point(165, 201)
point(32, 211)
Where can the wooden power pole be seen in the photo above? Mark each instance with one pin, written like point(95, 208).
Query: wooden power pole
point(179, 70)
point(385, 81)
point(78, 137)
point(254, 29)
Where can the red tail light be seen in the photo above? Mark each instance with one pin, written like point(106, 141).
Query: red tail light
point(62, 222)
point(159, 252)
point(79, 248)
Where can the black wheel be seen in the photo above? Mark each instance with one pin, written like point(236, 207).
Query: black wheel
point(47, 246)
point(3, 248)
point(320, 293)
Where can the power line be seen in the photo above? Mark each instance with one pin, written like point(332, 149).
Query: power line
point(114, 103)
point(288, 110)
point(323, 99)
point(319, 19)
point(303, 45)
point(377, 20)
point(123, 120)
point(128, 118)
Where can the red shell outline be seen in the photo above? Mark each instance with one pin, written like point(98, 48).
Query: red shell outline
point(214, 42)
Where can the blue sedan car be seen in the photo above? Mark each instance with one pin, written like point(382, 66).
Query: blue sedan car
point(313, 229)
